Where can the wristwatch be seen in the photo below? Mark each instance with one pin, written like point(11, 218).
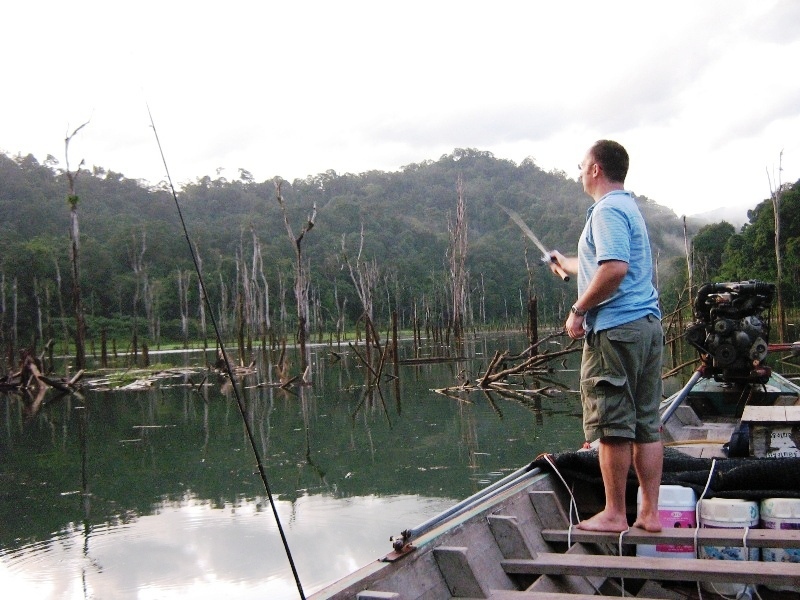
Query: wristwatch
point(577, 311)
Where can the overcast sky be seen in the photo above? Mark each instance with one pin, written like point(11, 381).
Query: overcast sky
point(705, 95)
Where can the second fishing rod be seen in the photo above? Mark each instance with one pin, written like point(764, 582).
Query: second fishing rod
point(229, 372)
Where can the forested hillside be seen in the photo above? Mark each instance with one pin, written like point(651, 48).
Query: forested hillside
point(134, 254)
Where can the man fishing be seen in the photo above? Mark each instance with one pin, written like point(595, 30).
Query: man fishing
point(618, 315)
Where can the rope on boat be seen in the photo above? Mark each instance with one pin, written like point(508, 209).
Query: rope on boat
point(697, 516)
point(573, 505)
point(699, 500)
point(744, 542)
point(229, 371)
point(619, 553)
point(748, 590)
point(619, 543)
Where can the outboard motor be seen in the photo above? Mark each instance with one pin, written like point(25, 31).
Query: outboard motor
point(731, 331)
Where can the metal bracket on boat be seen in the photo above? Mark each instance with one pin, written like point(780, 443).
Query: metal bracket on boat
point(401, 545)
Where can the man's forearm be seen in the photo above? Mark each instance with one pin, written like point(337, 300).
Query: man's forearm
point(605, 282)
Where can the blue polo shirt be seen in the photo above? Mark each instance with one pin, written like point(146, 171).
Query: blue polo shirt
point(615, 230)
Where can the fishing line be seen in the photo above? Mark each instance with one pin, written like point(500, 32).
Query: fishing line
point(228, 370)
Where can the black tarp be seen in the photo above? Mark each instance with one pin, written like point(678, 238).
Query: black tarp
point(744, 478)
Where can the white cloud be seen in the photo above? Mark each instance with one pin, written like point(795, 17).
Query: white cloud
point(703, 94)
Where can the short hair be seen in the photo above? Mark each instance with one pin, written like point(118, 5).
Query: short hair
point(612, 158)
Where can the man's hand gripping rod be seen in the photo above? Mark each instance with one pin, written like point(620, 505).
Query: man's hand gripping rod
point(546, 256)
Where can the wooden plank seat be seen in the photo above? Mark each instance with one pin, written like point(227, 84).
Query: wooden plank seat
point(756, 538)
point(670, 569)
point(514, 595)
point(502, 595)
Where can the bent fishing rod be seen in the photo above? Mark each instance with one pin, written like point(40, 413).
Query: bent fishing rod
point(251, 438)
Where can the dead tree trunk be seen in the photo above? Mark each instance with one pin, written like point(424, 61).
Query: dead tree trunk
point(340, 310)
point(689, 269)
point(533, 324)
point(74, 238)
point(202, 308)
point(482, 309)
point(301, 272)
point(364, 275)
point(240, 327)
point(255, 289)
point(267, 327)
point(775, 195)
point(457, 255)
point(319, 318)
point(62, 312)
point(184, 279)
point(136, 257)
point(50, 335)
point(284, 315)
point(223, 305)
point(39, 334)
point(262, 317)
point(244, 295)
point(2, 319)
point(150, 297)
point(15, 316)
point(103, 348)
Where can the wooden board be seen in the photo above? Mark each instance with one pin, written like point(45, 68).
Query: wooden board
point(671, 569)
point(756, 538)
point(764, 414)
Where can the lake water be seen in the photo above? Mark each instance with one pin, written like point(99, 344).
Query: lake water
point(156, 493)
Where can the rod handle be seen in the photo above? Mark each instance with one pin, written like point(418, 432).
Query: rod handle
point(558, 270)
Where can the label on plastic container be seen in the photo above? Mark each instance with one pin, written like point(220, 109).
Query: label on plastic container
point(676, 518)
point(771, 524)
point(791, 555)
point(728, 552)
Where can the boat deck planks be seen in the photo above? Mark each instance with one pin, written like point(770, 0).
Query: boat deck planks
point(516, 595)
point(667, 569)
point(737, 537)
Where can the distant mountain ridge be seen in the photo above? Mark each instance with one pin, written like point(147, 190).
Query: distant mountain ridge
point(735, 215)
point(402, 219)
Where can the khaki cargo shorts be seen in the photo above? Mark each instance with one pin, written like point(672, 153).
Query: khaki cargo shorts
point(621, 381)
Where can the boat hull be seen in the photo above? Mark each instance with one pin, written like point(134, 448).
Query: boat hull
point(516, 536)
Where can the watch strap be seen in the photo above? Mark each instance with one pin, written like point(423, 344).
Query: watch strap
point(577, 311)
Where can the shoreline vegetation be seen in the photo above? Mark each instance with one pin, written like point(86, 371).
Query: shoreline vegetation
point(351, 262)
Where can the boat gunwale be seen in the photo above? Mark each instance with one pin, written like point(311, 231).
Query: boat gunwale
point(381, 567)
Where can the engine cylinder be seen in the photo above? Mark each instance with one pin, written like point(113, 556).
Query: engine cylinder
point(730, 330)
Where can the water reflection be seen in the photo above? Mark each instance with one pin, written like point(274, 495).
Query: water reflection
point(154, 492)
point(231, 551)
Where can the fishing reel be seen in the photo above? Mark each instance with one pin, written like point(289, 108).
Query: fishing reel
point(731, 331)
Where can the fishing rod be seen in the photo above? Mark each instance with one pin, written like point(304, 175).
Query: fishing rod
point(261, 470)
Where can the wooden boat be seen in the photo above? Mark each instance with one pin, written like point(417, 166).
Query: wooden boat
point(515, 539)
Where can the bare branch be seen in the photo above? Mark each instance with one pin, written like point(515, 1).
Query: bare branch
point(70, 175)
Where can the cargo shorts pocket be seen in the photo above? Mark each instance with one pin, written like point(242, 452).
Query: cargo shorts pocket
point(591, 383)
point(605, 396)
point(605, 409)
point(623, 335)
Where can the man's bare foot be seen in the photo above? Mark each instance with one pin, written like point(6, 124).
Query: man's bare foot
point(604, 522)
point(651, 524)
